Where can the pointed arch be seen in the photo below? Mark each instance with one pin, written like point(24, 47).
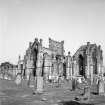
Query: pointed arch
point(81, 65)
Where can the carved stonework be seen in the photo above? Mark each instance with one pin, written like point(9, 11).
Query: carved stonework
point(56, 46)
point(89, 60)
point(48, 64)
point(86, 62)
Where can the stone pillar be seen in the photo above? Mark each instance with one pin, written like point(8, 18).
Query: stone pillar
point(62, 42)
point(39, 77)
point(46, 67)
point(101, 86)
point(55, 66)
point(69, 66)
point(99, 68)
point(99, 60)
point(50, 69)
point(103, 69)
point(88, 60)
point(75, 68)
point(27, 69)
point(88, 67)
point(91, 75)
point(61, 68)
point(101, 57)
point(91, 70)
point(19, 64)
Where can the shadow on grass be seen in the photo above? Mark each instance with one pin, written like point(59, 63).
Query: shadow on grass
point(73, 103)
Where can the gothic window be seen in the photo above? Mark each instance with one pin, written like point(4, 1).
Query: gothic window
point(81, 65)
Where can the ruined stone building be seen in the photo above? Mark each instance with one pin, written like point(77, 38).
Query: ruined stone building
point(88, 61)
point(51, 61)
point(44, 61)
point(7, 70)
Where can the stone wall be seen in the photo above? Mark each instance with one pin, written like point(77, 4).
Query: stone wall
point(46, 57)
point(89, 59)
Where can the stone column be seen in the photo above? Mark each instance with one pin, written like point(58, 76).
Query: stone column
point(62, 42)
point(99, 68)
point(19, 64)
point(69, 66)
point(75, 68)
point(88, 60)
point(101, 58)
point(55, 66)
point(88, 67)
point(103, 69)
point(27, 70)
point(50, 69)
point(101, 86)
point(39, 77)
point(46, 67)
point(91, 70)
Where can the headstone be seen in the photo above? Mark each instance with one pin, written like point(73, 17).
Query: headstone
point(39, 84)
point(101, 87)
point(73, 83)
point(94, 86)
point(70, 84)
point(18, 79)
point(31, 81)
point(85, 97)
point(86, 93)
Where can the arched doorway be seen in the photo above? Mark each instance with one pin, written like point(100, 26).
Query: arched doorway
point(81, 65)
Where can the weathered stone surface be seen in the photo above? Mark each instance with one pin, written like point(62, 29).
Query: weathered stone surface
point(88, 59)
point(18, 79)
point(101, 87)
point(39, 84)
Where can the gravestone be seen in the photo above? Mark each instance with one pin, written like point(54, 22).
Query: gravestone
point(85, 96)
point(39, 88)
point(95, 86)
point(101, 87)
point(73, 83)
point(70, 84)
point(31, 81)
point(18, 79)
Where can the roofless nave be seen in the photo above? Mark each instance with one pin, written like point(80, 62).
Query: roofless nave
point(51, 61)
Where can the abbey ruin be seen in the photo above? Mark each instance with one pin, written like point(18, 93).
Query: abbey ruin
point(51, 61)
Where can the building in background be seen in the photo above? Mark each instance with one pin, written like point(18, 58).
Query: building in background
point(8, 70)
point(51, 61)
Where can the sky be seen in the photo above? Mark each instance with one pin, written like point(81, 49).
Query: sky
point(74, 21)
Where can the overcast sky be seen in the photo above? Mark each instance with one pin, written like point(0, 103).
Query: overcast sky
point(74, 21)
